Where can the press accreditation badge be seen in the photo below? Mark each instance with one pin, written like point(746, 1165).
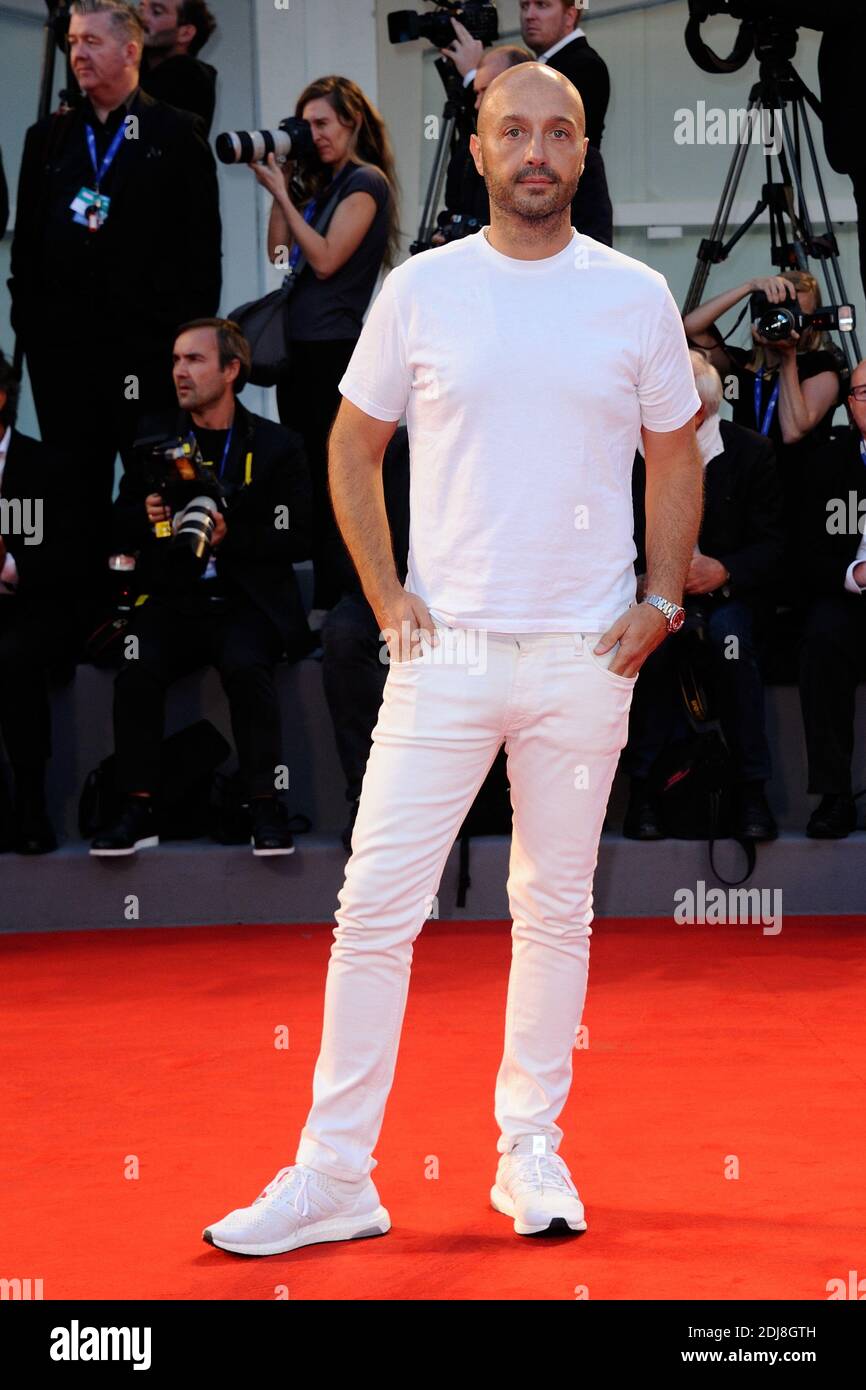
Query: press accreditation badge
point(90, 209)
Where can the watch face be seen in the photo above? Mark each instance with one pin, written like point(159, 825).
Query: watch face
point(677, 620)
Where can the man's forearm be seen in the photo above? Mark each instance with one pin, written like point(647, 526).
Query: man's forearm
point(674, 506)
point(358, 498)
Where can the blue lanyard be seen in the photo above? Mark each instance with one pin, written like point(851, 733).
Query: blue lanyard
point(295, 253)
point(192, 439)
point(863, 450)
point(771, 408)
point(100, 170)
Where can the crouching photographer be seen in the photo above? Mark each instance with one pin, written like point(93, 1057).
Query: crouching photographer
point(738, 555)
point(217, 508)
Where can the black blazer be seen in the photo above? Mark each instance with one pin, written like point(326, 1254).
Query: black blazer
point(588, 71)
point(48, 571)
point(161, 261)
point(185, 82)
point(742, 524)
point(256, 557)
point(841, 57)
point(837, 470)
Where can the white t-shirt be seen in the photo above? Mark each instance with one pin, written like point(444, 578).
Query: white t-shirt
point(524, 385)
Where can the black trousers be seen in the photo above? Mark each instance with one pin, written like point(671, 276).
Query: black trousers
point(832, 663)
point(858, 179)
point(27, 638)
point(657, 718)
point(308, 400)
point(354, 679)
point(90, 393)
point(244, 646)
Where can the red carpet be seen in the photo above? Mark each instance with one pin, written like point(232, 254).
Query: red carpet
point(705, 1042)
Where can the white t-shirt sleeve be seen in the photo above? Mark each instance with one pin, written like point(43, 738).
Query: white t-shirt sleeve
point(378, 379)
point(666, 389)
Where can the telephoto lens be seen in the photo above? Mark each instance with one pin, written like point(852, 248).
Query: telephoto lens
point(194, 526)
point(293, 137)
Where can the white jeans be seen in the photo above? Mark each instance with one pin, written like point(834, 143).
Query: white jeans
point(564, 719)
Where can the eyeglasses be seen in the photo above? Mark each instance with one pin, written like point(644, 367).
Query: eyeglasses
point(858, 392)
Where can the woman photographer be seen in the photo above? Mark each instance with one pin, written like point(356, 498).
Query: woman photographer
point(787, 390)
point(327, 306)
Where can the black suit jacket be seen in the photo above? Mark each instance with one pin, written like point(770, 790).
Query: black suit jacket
point(160, 264)
point(256, 557)
point(742, 524)
point(836, 472)
point(47, 572)
point(185, 82)
point(840, 61)
point(588, 71)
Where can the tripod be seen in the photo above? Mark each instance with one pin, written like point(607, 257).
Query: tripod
point(451, 113)
point(781, 92)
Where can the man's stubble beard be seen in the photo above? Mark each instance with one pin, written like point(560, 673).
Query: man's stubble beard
point(502, 197)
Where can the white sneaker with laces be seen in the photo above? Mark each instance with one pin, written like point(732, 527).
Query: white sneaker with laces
point(301, 1206)
point(535, 1187)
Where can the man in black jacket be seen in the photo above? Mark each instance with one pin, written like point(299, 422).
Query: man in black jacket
point(239, 609)
point(737, 559)
point(38, 562)
point(840, 61)
point(117, 242)
point(175, 33)
point(833, 654)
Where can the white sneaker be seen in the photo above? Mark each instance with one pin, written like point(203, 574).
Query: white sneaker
point(537, 1191)
point(301, 1206)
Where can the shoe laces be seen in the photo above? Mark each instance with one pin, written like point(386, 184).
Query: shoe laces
point(542, 1170)
point(285, 1191)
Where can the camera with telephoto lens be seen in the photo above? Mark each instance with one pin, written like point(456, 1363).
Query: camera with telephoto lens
point(777, 322)
point(480, 19)
point(293, 138)
point(175, 469)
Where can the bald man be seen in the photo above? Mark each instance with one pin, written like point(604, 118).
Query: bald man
point(529, 360)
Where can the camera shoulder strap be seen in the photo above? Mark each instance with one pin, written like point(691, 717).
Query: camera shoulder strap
point(321, 223)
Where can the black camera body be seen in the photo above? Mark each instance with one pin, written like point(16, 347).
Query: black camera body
point(777, 322)
point(293, 138)
point(480, 18)
point(174, 468)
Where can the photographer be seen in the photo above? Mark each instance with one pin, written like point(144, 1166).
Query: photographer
point(38, 563)
point(327, 306)
point(238, 608)
point(787, 390)
point(175, 32)
point(739, 551)
point(117, 242)
point(833, 579)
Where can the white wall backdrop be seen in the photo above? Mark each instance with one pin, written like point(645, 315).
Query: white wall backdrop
point(267, 50)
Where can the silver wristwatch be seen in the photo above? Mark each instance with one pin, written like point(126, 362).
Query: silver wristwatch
point(675, 615)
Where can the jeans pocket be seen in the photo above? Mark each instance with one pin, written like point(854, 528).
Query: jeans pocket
point(585, 643)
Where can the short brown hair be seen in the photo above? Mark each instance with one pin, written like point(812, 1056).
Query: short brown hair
point(124, 18)
point(231, 345)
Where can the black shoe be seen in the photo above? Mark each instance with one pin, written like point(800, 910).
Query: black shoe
point(753, 819)
point(134, 829)
point(642, 821)
point(35, 836)
point(833, 819)
point(33, 832)
point(346, 835)
point(271, 833)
